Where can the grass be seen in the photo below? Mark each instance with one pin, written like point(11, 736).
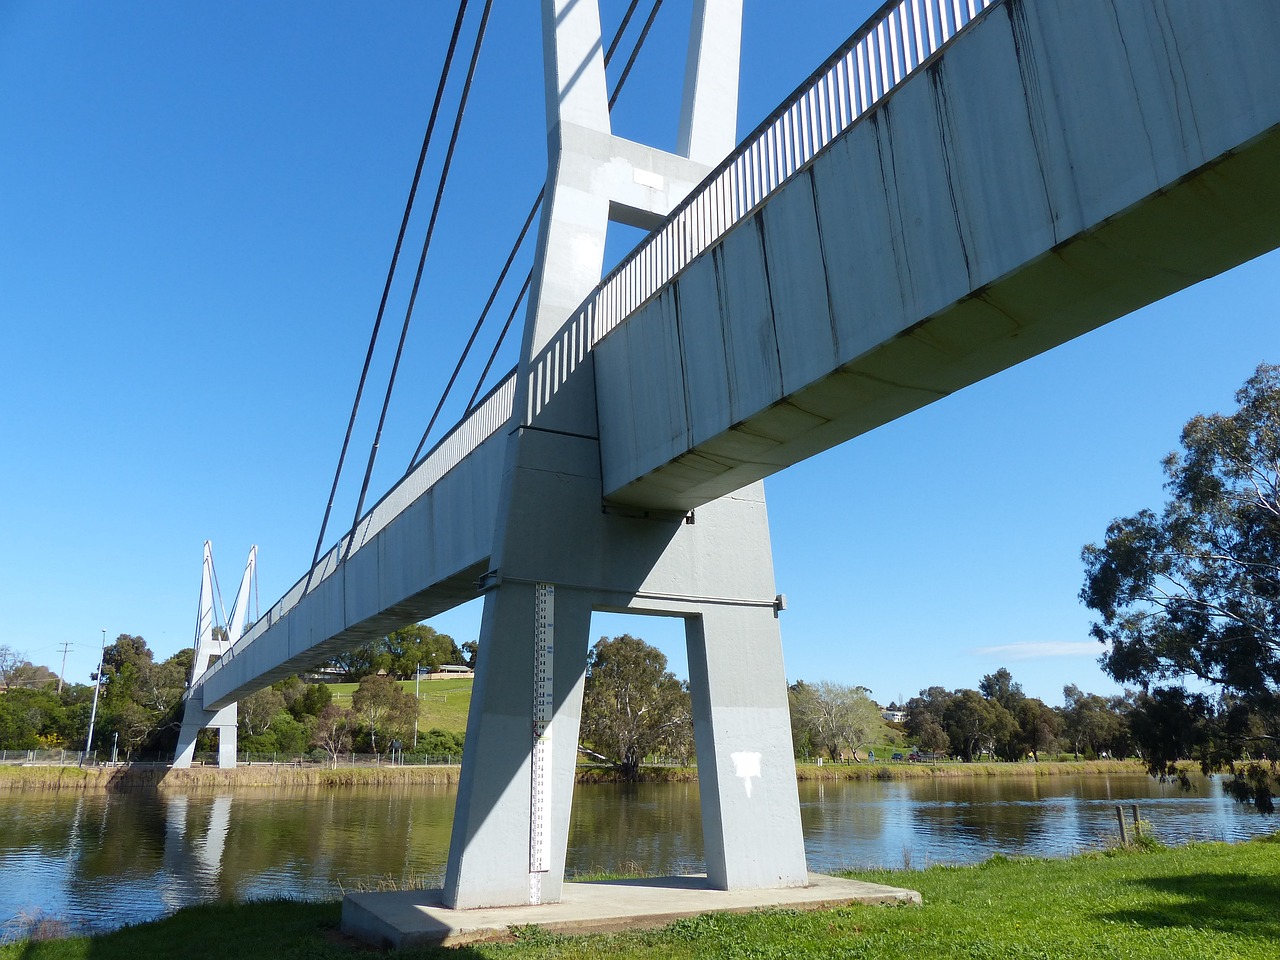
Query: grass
point(444, 702)
point(74, 778)
point(1208, 901)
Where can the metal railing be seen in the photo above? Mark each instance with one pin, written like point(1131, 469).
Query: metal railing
point(486, 419)
point(896, 42)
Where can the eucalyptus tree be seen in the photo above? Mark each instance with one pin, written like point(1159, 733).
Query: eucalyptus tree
point(1188, 598)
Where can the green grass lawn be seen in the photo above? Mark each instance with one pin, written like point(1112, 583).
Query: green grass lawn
point(444, 702)
point(1206, 902)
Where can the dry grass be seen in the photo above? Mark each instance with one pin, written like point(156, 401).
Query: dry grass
point(957, 770)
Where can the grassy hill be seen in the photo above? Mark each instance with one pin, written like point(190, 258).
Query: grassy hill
point(444, 703)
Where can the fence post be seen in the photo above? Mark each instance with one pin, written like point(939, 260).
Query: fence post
point(1137, 823)
point(1124, 833)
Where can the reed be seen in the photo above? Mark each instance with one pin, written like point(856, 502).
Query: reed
point(955, 770)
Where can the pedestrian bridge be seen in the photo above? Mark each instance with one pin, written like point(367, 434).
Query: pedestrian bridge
point(962, 186)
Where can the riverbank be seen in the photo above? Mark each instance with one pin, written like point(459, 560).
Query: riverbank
point(1209, 900)
point(949, 769)
point(72, 778)
point(54, 778)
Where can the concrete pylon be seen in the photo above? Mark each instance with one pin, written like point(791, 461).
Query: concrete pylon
point(561, 553)
point(208, 647)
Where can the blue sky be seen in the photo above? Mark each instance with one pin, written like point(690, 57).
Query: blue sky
point(197, 207)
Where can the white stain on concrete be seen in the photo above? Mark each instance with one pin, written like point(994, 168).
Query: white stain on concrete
point(747, 766)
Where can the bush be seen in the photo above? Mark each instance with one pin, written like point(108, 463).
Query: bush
point(439, 743)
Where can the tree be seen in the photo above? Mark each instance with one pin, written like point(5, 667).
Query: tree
point(31, 677)
point(999, 688)
point(419, 645)
point(925, 719)
point(632, 706)
point(258, 710)
point(30, 719)
point(802, 744)
point(400, 653)
point(9, 660)
point(1192, 594)
point(1093, 724)
point(1038, 727)
point(333, 730)
point(975, 724)
point(383, 706)
point(303, 699)
point(835, 715)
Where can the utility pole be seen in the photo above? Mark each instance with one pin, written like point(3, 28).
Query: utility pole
point(66, 645)
point(417, 703)
point(97, 684)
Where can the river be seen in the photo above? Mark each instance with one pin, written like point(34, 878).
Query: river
point(102, 860)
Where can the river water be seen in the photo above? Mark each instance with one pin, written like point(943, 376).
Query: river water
point(99, 861)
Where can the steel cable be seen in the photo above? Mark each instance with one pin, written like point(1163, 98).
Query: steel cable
point(422, 261)
point(386, 289)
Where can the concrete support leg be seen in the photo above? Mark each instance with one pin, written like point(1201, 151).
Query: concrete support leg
point(196, 718)
point(227, 737)
point(489, 856)
point(746, 769)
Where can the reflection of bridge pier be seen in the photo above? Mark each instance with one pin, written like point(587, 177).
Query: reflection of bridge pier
point(192, 856)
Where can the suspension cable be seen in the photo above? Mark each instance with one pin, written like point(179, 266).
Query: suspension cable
point(386, 289)
point(608, 56)
point(622, 28)
point(528, 280)
point(631, 61)
point(422, 261)
point(475, 331)
point(524, 289)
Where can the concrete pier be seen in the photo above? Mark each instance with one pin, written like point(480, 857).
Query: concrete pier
point(416, 918)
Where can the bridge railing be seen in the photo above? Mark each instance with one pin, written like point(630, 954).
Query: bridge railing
point(900, 38)
point(486, 419)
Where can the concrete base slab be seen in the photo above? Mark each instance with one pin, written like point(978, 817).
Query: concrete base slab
point(414, 918)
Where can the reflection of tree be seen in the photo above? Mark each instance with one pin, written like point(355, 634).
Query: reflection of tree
point(655, 828)
point(833, 812)
point(318, 838)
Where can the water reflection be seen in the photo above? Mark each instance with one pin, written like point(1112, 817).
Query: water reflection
point(651, 828)
point(102, 860)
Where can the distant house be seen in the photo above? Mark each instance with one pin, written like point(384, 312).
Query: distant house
point(450, 670)
point(894, 716)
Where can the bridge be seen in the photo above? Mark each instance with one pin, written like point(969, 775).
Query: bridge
point(964, 184)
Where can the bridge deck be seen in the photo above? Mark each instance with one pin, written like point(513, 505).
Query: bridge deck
point(886, 238)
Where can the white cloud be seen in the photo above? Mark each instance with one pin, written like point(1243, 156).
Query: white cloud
point(1043, 649)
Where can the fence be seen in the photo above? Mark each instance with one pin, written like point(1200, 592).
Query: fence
point(72, 758)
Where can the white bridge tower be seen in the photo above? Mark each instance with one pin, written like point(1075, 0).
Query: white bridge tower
point(211, 644)
point(561, 552)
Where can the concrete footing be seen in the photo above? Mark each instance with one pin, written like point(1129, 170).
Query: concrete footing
point(415, 918)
